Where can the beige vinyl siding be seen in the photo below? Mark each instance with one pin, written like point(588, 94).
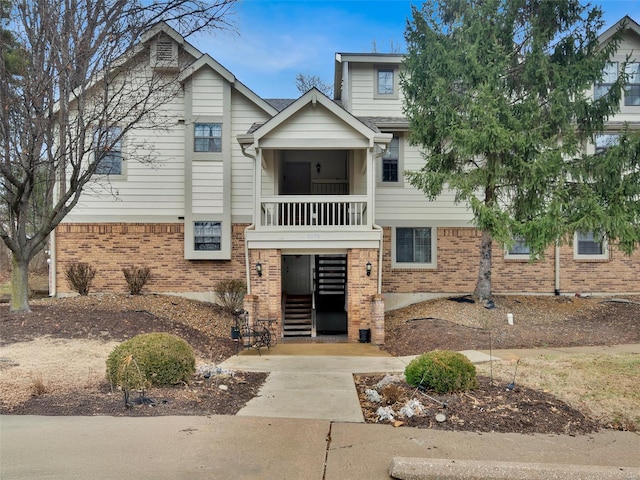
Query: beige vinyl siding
point(207, 90)
point(269, 174)
point(314, 124)
point(244, 113)
point(207, 188)
point(363, 104)
point(395, 204)
point(359, 185)
point(153, 180)
point(630, 46)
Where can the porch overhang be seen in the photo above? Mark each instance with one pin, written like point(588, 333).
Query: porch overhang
point(313, 240)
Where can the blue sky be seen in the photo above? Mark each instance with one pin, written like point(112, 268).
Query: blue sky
point(277, 39)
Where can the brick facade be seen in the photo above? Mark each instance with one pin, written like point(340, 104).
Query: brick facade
point(111, 247)
point(457, 269)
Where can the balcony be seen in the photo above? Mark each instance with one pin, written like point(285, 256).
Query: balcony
point(314, 212)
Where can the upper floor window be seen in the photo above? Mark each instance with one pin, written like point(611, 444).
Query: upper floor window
point(207, 235)
point(609, 76)
point(208, 137)
point(391, 161)
point(108, 151)
point(590, 245)
point(632, 88)
point(605, 141)
point(385, 81)
point(414, 246)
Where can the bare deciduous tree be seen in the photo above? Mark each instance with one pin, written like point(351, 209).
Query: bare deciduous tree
point(304, 83)
point(79, 91)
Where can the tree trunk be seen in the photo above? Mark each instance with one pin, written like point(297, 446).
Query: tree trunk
point(483, 286)
point(19, 285)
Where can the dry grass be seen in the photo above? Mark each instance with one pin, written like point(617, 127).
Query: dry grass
point(604, 386)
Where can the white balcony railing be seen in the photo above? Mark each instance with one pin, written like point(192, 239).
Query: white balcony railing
point(314, 211)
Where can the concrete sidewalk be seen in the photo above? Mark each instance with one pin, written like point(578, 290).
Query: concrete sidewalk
point(228, 447)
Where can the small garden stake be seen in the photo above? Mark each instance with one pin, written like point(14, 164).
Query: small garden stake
point(512, 385)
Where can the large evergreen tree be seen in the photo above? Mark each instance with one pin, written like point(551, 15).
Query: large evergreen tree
point(498, 96)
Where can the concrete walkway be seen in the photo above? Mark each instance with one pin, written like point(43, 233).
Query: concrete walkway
point(319, 383)
point(264, 447)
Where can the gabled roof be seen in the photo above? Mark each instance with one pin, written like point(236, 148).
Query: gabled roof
point(314, 97)
point(629, 24)
point(162, 27)
point(280, 103)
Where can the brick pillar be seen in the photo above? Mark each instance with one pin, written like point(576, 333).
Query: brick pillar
point(360, 290)
point(377, 319)
point(267, 288)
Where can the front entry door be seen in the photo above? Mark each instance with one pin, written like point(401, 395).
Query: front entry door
point(296, 178)
point(296, 275)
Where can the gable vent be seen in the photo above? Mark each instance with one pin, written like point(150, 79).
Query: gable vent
point(164, 55)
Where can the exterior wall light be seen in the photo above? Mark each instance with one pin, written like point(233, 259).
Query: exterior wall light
point(318, 167)
point(368, 269)
point(259, 269)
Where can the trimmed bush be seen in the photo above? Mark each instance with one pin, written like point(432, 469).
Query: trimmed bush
point(136, 278)
point(231, 294)
point(151, 359)
point(442, 371)
point(80, 275)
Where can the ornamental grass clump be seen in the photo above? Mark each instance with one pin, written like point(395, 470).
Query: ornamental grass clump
point(157, 359)
point(442, 371)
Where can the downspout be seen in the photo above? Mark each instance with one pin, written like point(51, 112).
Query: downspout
point(52, 263)
point(557, 269)
point(247, 262)
point(376, 226)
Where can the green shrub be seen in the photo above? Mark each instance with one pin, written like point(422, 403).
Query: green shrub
point(151, 359)
point(442, 371)
point(231, 294)
point(80, 275)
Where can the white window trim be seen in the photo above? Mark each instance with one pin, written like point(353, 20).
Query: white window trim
point(605, 81)
point(634, 84)
point(400, 181)
point(190, 253)
point(207, 156)
point(434, 251)
point(396, 82)
point(603, 256)
point(123, 164)
point(524, 257)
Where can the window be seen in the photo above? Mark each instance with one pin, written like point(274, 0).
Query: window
point(414, 245)
point(590, 245)
point(632, 88)
point(385, 81)
point(519, 248)
point(207, 235)
point(108, 143)
point(609, 76)
point(605, 141)
point(390, 161)
point(208, 137)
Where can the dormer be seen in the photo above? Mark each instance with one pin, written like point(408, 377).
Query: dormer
point(164, 53)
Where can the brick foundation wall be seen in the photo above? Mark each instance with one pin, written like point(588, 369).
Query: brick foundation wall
point(457, 269)
point(111, 247)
